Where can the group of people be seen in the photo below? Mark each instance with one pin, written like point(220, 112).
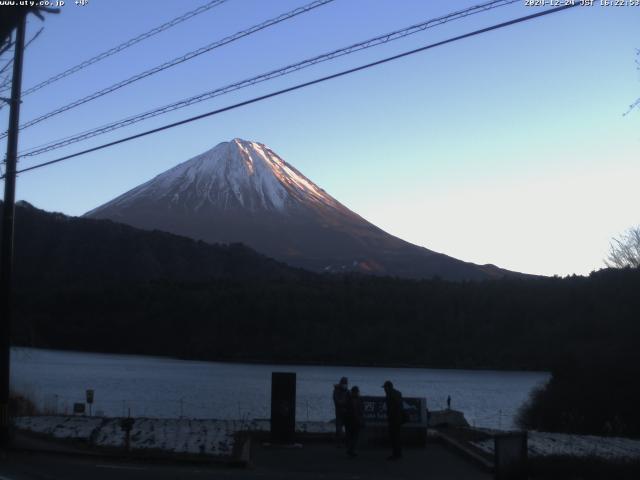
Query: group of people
point(349, 410)
point(349, 414)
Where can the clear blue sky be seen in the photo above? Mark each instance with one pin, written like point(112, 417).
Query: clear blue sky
point(508, 148)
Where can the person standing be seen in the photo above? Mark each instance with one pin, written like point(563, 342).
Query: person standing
point(354, 421)
point(340, 402)
point(395, 418)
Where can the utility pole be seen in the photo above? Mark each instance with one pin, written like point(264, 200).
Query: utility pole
point(6, 252)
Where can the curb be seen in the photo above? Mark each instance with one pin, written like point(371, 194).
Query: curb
point(66, 448)
point(467, 452)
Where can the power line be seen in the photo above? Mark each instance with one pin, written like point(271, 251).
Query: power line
point(302, 85)
point(7, 81)
point(381, 39)
point(36, 35)
point(10, 62)
point(125, 45)
point(6, 47)
point(177, 61)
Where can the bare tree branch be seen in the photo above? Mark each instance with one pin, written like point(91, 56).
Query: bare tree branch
point(635, 104)
point(625, 250)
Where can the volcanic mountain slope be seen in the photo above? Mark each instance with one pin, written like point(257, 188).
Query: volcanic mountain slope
point(241, 191)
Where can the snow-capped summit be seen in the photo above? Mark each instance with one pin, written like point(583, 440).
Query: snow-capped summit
point(242, 191)
point(235, 174)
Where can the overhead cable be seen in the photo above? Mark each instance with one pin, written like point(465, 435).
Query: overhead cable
point(176, 61)
point(299, 86)
point(10, 62)
point(372, 42)
point(124, 45)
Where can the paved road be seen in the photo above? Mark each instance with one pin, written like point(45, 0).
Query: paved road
point(434, 462)
point(33, 466)
point(312, 461)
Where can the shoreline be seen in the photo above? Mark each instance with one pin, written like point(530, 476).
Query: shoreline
point(290, 363)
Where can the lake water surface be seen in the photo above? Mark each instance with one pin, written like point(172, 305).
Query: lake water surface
point(163, 387)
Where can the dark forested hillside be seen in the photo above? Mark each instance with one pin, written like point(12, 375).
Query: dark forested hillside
point(508, 324)
point(96, 285)
point(53, 250)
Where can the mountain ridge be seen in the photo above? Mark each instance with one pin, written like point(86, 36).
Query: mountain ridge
point(242, 191)
point(53, 249)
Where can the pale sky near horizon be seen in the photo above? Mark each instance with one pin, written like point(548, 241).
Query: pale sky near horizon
point(508, 148)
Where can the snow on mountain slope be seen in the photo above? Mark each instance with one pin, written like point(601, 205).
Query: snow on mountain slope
point(241, 191)
point(236, 174)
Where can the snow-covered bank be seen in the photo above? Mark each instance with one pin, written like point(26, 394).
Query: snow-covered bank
point(215, 438)
point(542, 444)
point(206, 437)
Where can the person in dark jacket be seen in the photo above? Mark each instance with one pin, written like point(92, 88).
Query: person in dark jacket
point(354, 420)
point(340, 402)
point(395, 418)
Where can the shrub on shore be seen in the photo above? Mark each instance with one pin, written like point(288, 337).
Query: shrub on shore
point(596, 396)
point(21, 405)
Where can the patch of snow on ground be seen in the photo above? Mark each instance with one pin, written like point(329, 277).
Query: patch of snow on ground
point(544, 444)
point(110, 435)
point(207, 437)
point(177, 435)
point(264, 425)
point(60, 426)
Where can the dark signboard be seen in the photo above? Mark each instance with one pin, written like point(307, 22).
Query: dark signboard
point(283, 407)
point(89, 396)
point(78, 408)
point(375, 409)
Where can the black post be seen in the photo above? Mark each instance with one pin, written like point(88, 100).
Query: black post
point(283, 407)
point(511, 456)
point(6, 253)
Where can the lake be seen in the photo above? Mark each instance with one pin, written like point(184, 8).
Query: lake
point(164, 387)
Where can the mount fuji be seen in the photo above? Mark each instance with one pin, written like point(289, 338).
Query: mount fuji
point(241, 191)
